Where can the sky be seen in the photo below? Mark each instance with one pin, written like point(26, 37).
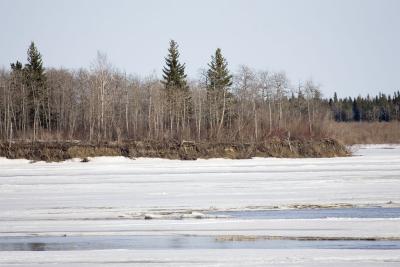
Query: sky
point(348, 46)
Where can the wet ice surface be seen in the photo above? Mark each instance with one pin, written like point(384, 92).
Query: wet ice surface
point(100, 207)
point(378, 212)
point(139, 242)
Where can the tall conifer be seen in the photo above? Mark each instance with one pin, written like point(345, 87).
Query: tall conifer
point(218, 74)
point(37, 93)
point(174, 72)
point(218, 82)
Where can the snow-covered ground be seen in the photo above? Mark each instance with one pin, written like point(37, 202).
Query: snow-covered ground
point(220, 257)
point(112, 196)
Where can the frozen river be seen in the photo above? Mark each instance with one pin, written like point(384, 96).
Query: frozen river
point(259, 212)
point(319, 213)
point(186, 242)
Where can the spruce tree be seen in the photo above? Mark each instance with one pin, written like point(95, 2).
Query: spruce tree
point(174, 72)
point(177, 93)
point(219, 78)
point(218, 82)
point(34, 69)
point(356, 111)
point(17, 66)
point(37, 93)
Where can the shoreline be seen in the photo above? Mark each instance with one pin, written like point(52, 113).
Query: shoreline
point(53, 151)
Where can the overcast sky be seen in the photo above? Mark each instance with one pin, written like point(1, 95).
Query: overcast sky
point(348, 46)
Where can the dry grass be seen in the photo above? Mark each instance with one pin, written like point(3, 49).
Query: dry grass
point(365, 132)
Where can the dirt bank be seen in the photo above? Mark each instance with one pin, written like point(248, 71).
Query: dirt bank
point(59, 151)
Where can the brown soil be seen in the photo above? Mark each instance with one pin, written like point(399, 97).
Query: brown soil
point(59, 151)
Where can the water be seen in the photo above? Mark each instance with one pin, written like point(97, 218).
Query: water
point(313, 213)
point(175, 242)
point(151, 242)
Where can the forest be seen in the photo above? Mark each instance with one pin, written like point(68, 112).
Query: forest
point(101, 103)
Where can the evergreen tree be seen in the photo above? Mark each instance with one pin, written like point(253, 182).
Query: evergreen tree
point(219, 78)
point(356, 111)
point(178, 96)
point(218, 82)
point(34, 68)
point(174, 72)
point(17, 66)
point(37, 93)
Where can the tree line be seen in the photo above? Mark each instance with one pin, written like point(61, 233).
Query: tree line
point(379, 108)
point(104, 104)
